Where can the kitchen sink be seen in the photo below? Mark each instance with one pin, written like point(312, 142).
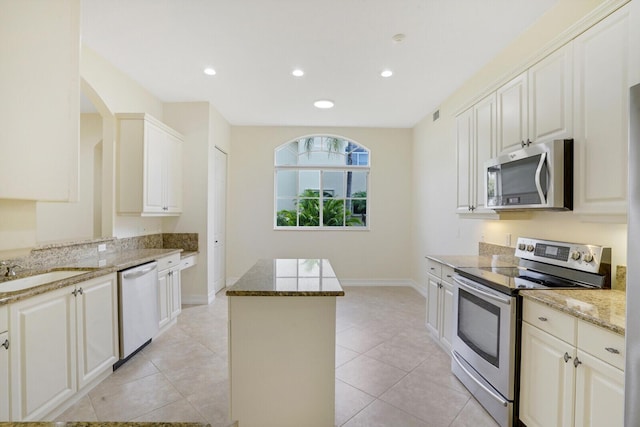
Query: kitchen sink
point(37, 280)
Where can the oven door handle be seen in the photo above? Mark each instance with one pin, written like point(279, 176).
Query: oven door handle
point(543, 199)
point(471, 289)
point(491, 393)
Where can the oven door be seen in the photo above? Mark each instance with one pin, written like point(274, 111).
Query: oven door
point(485, 333)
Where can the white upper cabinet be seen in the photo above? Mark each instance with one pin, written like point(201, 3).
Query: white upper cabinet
point(513, 113)
point(149, 167)
point(476, 143)
point(550, 96)
point(536, 106)
point(40, 101)
point(601, 86)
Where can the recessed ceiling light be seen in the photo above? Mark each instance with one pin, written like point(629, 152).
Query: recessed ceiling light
point(398, 38)
point(210, 71)
point(323, 104)
point(386, 73)
point(298, 72)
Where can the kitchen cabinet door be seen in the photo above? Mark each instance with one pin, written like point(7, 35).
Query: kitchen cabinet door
point(40, 101)
point(164, 298)
point(149, 167)
point(42, 353)
point(484, 146)
point(464, 141)
point(550, 84)
point(546, 379)
point(97, 327)
point(512, 116)
point(476, 143)
point(601, 79)
point(433, 287)
point(176, 292)
point(599, 393)
point(446, 328)
point(4, 376)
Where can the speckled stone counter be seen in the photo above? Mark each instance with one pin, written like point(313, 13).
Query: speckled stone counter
point(282, 344)
point(605, 308)
point(94, 266)
point(288, 277)
point(477, 261)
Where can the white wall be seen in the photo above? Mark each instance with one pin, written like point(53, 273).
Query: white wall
point(74, 221)
point(117, 93)
point(436, 227)
point(382, 253)
point(203, 128)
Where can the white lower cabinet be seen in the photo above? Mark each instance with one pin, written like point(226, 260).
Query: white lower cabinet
point(571, 371)
point(4, 363)
point(440, 302)
point(59, 341)
point(169, 289)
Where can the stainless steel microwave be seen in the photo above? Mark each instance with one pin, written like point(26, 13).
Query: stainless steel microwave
point(539, 176)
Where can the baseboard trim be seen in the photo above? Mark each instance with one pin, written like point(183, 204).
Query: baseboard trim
point(196, 299)
point(384, 282)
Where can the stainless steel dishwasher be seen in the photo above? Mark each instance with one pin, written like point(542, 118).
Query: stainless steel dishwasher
point(138, 308)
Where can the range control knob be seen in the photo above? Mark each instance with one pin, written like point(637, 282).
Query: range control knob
point(521, 246)
point(575, 255)
point(588, 257)
point(530, 248)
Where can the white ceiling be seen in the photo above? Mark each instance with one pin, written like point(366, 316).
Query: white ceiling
point(342, 45)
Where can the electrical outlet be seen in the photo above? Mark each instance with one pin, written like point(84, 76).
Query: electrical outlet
point(102, 262)
point(102, 247)
point(508, 240)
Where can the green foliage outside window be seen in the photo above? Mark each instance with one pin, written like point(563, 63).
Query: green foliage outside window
point(308, 204)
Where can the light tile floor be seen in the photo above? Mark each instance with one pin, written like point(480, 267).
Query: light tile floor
point(389, 372)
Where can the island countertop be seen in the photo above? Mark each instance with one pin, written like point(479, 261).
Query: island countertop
point(288, 277)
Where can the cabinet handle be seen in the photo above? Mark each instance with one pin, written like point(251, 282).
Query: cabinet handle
point(77, 291)
point(432, 268)
point(522, 144)
point(612, 350)
point(576, 362)
point(448, 276)
point(5, 344)
point(542, 319)
point(566, 357)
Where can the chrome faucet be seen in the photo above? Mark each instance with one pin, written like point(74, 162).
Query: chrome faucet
point(10, 268)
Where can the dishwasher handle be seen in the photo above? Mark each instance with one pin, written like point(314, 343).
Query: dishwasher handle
point(139, 271)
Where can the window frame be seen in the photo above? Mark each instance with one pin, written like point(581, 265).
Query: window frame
point(321, 169)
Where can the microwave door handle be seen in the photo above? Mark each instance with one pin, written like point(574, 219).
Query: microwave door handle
point(543, 199)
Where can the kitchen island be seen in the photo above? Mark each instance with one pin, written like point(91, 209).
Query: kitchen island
point(282, 330)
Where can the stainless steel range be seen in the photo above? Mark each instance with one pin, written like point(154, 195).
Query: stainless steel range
point(488, 314)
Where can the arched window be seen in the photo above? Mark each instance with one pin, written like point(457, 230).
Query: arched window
point(321, 182)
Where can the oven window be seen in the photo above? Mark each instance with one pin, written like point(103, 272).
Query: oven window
point(479, 326)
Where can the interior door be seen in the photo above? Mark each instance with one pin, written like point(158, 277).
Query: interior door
point(220, 208)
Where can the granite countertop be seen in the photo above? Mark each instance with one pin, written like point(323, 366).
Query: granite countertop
point(288, 277)
point(477, 261)
point(602, 307)
point(94, 267)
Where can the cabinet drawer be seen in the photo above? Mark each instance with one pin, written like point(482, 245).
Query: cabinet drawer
point(447, 274)
point(168, 262)
point(601, 343)
point(4, 318)
point(558, 324)
point(187, 262)
point(434, 267)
